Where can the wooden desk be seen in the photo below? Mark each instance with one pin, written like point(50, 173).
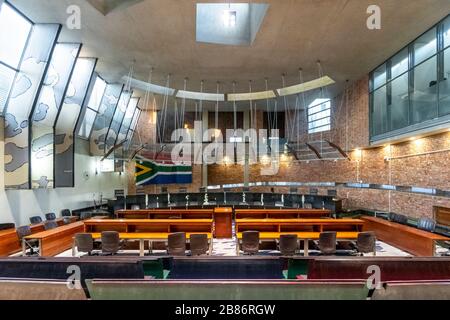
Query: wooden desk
point(150, 237)
point(223, 223)
point(417, 242)
point(298, 225)
point(9, 241)
point(165, 213)
point(149, 225)
point(55, 241)
point(305, 236)
point(281, 213)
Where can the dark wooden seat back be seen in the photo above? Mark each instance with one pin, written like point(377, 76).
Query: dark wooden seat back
point(177, 244)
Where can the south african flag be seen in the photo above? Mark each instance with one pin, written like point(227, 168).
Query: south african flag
point(149, 172)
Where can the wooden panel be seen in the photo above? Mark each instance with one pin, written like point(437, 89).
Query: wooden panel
point(303, 235)
point(223, 223)
point(281, 213)
point(417, 242)
point(57, 240)
point(9, 241)
point(442, 216)
point(149, 225)
point(165, 213)
point(292, 225)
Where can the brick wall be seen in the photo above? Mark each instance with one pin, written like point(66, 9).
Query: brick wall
point(350, 122)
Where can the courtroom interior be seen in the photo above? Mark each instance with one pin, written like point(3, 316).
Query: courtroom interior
point(269, 150)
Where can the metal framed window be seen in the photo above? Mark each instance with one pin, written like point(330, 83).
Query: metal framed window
point(319, 116)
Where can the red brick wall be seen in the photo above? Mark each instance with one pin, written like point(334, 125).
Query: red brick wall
point(350, 129)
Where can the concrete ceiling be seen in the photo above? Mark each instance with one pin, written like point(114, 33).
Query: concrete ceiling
point(294, 34)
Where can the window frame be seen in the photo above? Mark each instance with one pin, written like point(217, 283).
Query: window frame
point(409, 129)
point(313, 130)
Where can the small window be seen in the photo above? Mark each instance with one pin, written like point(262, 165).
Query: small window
point(319, 113)
point(14, 31)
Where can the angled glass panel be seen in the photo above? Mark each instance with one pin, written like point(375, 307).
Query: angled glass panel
point(132, 105)
point(424, 95)
point(104, 118)
point(46, 111)
point(88, 123)
point(97, 94)
point(67, 121)
point(6, 80)
point(14, 31)
point(118, 118)
point(131, 131)
point(17, 114)
point(425, 46)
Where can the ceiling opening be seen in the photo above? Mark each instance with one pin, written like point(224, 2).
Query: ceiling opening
point(229, 23)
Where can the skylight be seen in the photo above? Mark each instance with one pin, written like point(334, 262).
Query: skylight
point(229, 23)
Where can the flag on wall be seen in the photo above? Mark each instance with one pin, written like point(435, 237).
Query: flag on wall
point(150, 172)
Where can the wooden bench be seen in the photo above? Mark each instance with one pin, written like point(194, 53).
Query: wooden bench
point(149, 225)
point(9, 241)
point(305, 236)
point(150, 237)
point(281, 213)
point(417, 242)
point(165, 213)
point(55, 241)
point(297, 225)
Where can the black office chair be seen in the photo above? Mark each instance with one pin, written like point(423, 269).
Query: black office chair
point(66, 213)
point(35, 220)
point(366, 243)
point(398, 218)
point(288, 244)
point(84, 242)
point(32, 245)
point(50, 216)
point(176, 244)
point(50, 224)
point(5, 226)
point(426, 224)
point(327, 242)
point(111, 243)
point(198, 244)
point(250, 242)
point(67, 220)
point(85, 215)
